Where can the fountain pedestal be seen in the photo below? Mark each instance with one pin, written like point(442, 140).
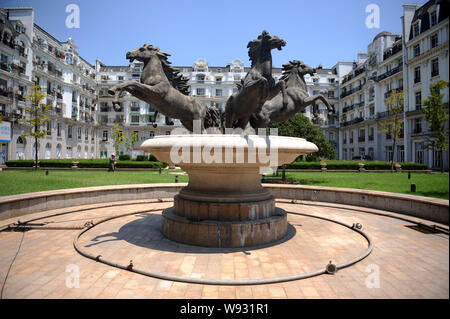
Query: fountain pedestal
point(224, 203)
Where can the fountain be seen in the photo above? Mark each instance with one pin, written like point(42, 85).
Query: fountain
point(224, 203)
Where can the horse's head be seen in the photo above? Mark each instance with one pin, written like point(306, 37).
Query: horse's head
point(144, 53)
point(264, 42)
point(299, 67)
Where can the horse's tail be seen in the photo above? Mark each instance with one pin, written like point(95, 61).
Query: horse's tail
point(229, 113)
point(212, 117)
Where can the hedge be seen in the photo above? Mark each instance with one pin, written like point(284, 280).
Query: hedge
point(124, 157)
point(85, 163)
point(353, 165)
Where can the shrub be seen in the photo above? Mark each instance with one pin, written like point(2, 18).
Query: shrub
point(141, 158)
point(136, 164)
point(152, 158)
point(20, 163)
point(124, 157)
point(413, 166)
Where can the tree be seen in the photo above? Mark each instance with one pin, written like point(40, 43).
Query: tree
point(437, 115)
point(36, 118)
point(393, 125)
point(119, 139)
point(300, 126)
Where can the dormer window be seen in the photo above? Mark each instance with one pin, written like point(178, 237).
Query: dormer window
point(416, 29)
point(433, 18)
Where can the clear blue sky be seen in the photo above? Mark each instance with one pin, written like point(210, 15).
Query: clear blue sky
point(317, 32)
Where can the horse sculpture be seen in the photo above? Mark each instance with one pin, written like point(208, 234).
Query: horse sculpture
point(162, 87)
point(275, 110)
point(258, 85)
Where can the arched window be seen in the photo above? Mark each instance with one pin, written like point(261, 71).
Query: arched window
point(48, 151)
point(58, 151)
point(78, 151)
point(92, 152)
point(86, 151)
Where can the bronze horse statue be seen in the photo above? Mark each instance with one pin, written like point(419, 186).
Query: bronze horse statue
point(162, 87)
point(258, 85)
point(275, 110)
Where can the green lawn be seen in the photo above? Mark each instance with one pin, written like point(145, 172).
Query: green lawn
point(27, 181)
point(431, 185)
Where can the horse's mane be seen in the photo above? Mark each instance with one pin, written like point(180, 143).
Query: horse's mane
point(178, 81)
point(253, 47)
point(287, 69)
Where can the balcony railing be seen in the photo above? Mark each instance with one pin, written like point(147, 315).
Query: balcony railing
point(354, 121)
point(390, 73)
point(351, 91)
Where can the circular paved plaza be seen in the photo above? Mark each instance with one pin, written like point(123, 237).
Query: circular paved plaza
point(404, 263)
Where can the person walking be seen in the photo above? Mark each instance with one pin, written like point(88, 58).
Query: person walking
point(112, 163)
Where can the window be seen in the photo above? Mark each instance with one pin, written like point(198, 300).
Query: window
point(79, 133)
point(371, 153)
point(219, 92)
point(434, 40)
point(417, 75)
point(69, 131)
point(331, 136)
point(434, 67)
point(417, 126)
point(388, 153)
point(416, 29)
point(416, 50)
point(219, 80)
point(152, 134)
point(362, 151)
point(362, 135)
point(86, 134)
point(105, 136)
point(371, 133)
point(200, 78)
point(58, 129)
point(201, 92)
point(134, 118)
point(433, 18)
point(49, 128)
point(69, 152)
point(167, 132)
point(437, 159)
point(400, 153)
point(419, 153)
point(418, 100)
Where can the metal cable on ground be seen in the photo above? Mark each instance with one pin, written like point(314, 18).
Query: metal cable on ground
point(10, 266)
point(205, 281)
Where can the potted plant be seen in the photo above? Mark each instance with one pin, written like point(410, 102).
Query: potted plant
point(75, 164)
point(398, 167)
point(323, 166)
point(361, 167)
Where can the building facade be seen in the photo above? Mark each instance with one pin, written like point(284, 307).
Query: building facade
point(82, 115)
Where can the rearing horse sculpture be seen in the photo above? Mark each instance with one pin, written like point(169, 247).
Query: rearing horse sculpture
point(258, 85)
point(298, 98)
point(162, 87)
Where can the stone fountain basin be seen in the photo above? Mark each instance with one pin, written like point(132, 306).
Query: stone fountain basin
point(226, 167)
point(224, 203)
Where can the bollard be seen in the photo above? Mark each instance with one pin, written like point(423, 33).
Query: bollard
point(413, 188)
point(46, 172)
point(160, 171)
point(176, 178)
point(409, 175)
